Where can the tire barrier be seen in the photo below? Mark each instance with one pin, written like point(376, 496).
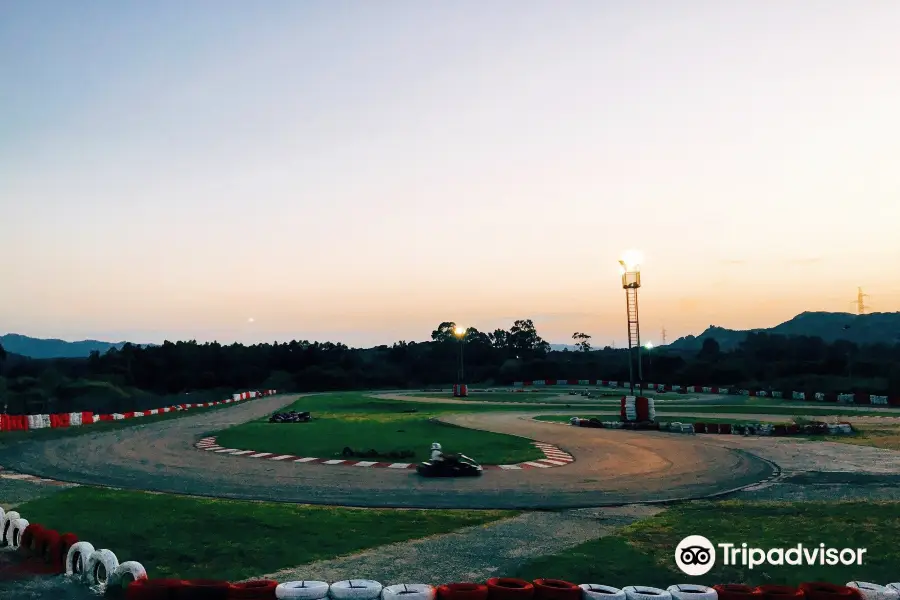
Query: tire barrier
point(780, 592)
point(873, 591)
point(595, 591)
point(75, 419)
point(18, 528)
point(763, 429)
point(736, 591)
point(77, 557)
point(509, 588)
point(556, 589)
point(124, 575)
point(409, 591)
point(462, 591)
point(355, 589)
point(828, 591)
point(31, 539)
point(689, 591)
point(259, 589)
point(854, 398)
point(8, 519)
point(639, 592)
point(302, 590)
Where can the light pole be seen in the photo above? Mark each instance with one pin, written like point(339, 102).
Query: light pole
point(631, 280)
point(460, 333)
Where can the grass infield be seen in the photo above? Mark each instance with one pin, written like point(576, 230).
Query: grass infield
point(644, 553)
point(185, 537)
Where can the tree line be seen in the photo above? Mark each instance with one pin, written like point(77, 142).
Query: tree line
point(136, 377)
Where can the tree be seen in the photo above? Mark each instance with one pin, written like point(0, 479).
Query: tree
point(444, 332)
point(582, 340)
point(523, 338)
point(710, 349)
point(2, 357)
point(499, 338)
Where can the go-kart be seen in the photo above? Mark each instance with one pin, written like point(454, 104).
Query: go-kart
point(453, 465)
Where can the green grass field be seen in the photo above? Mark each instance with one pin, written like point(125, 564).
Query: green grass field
point(362, 423)
point(183, 537)
point(643, 553)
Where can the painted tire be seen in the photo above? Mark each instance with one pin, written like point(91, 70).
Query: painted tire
point(303, 590)
point(355, 589)
point(643, 592)
point(508, 588)
point(873, 591)
point(462, 591)
point(259, 589)
point(409, 591)
point(736, 591)
point(781, 592)
point(47, 540)
point(15, 534)
point(100, 565)
point(153, 589)
point(77, 557)
point(201, 589)
point(690, 591)
point(556, 589)
point(827, 591)
point(31, 539)
point(8, 518)
point(125, 574)
point(56, 554)
point(595, 591)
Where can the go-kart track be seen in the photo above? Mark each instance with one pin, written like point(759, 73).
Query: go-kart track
point(611, 467)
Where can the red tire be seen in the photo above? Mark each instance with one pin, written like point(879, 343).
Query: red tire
point(828, 591)
point(31, 539)
point(507, 588)
point(153, 589)
point(780, 592)
point(699, 427)
point(556, 589)
point(45, 543)
point(56, 554)
point(263, 589)
point(462, 591)
point(201, 589)
point(737, 591)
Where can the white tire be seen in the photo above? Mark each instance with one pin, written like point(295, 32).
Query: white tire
point(894, 586)
point(304, 590)
point(642, 592)
point(77, 557)
point(408, 591)
point(8, 518)
point(595, 591)
point(15, 532)
point(100, 565)
point(873, 591)
point(690, 591)
point(355, 589)
point(125, 573)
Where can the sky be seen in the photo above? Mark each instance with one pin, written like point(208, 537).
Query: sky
point(361, 171)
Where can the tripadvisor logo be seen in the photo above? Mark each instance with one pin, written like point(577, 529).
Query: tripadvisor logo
point(695, 555)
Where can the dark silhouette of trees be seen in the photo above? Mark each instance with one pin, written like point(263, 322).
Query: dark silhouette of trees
point(136, 378)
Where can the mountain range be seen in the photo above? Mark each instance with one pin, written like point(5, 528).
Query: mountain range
point(873, 328)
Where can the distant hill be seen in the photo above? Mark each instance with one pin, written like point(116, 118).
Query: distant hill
point(876, 328)
point(561, 347)
point(23, 345)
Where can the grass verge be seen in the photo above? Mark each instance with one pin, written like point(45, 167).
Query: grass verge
point(184, 537)
point(643, 553)
point(362, 423)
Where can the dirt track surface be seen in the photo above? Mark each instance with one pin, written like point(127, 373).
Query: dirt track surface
point(612, 467)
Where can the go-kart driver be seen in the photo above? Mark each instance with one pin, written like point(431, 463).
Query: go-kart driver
point(437, 454)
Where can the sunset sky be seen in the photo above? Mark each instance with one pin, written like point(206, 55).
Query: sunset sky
point(362, 171)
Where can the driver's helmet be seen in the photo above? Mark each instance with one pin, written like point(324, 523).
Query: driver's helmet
point(435, 446)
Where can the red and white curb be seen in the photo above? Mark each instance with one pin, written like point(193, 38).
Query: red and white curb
point(554, 458)
point(12, 475)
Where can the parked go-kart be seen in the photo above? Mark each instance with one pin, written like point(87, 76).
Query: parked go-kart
point(453, 465)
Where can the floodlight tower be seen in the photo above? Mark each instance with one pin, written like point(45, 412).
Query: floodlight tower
point(460, 333)
point(631, 280)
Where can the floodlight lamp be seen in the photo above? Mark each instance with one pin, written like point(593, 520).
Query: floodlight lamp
point(631, 261)
point(459, 331)
point(649, 345)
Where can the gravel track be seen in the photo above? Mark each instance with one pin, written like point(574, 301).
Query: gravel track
point(474, 553)
point(611, 468)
